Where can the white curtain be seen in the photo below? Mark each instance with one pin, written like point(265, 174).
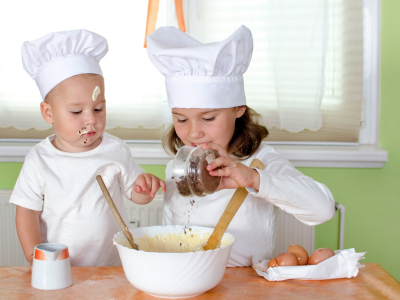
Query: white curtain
point(306, 70)
point(305, 77)
point(134, 88)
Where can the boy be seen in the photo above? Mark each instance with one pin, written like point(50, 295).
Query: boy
point(57, 196)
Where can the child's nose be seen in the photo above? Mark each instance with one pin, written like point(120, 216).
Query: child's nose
point(195, 131)
point(90, 118)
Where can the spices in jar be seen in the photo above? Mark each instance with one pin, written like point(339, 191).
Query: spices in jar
point(190, 175)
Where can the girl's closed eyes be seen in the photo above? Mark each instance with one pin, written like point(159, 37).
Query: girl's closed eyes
point(204, 119)
point(209, 119)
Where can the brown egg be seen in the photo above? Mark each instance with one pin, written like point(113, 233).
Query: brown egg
point(320, 255)
point(272, 263)
point(300, 252)
point(287, 259)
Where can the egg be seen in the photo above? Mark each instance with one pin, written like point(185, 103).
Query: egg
point(287, 259)
point(300, 252)
point(272, 263)
point(320, 255)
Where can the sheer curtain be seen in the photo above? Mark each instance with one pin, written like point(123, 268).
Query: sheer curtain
point(305, 77)
point(134, 88)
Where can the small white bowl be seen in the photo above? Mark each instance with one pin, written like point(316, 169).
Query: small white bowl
point(51, 267)
point(173, 275)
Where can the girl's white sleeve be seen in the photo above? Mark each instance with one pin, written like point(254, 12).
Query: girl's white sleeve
point(282, 185)
point(167, 213)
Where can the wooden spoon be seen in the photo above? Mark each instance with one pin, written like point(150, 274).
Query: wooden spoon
point(115, 212)
point(230, 211)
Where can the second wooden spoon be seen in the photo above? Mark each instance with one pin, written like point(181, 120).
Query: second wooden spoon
point(115, 212)
point(230, 211)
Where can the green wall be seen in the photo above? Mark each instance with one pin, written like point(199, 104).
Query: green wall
point(9, 173)
point(371, 196)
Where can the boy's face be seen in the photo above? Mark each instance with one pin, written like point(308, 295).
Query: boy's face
point(71, 109)
point(195, 126)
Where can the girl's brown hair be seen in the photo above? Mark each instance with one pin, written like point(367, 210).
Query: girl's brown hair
point(245, 141)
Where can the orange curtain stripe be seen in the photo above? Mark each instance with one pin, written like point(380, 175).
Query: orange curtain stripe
point(152, 11)
point(179, 15)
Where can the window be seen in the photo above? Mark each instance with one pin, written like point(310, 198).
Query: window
point(306, 74)
point(134, 88)
point(284, 76)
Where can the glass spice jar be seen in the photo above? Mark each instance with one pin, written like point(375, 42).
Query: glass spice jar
point(190, 175)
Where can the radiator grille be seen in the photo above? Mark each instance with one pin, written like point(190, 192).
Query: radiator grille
point(11, 253)
point(289, 229)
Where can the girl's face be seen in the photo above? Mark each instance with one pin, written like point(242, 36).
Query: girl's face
point(196, 126)
point(77, 120)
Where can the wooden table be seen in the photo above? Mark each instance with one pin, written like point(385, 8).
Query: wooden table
point(372, 282)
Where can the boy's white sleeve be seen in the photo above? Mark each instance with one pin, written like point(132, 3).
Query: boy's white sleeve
point(29, 189)
point(129, 172)
point(282, 185)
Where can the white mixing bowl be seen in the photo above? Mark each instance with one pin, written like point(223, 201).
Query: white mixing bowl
point(173, 275)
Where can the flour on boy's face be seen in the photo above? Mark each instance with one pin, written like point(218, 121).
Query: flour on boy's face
point(96, 93)
point(79, 113)
point(87, 131)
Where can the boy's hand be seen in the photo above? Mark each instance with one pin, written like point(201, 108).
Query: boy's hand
point(148, 184)
point(234, 174)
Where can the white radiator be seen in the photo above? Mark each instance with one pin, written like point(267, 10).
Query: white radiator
point(289, 229)
point(11, 253)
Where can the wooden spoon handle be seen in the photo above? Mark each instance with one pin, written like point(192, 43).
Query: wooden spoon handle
point(230, 211)
point(115, 212)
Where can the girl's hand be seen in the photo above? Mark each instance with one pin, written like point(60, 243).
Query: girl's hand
point(234, 174)
point(148, 184)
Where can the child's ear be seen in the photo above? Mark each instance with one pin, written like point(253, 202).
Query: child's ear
point(240, 111)
point(45, 109)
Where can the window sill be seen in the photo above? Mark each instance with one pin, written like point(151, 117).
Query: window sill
point(330, 156)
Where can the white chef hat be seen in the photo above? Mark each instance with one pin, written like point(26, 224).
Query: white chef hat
point(201, 75)
point(59, 55)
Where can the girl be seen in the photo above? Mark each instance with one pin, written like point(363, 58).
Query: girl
point(206, 93)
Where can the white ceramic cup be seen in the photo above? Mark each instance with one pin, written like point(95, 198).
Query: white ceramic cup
point(51, 268)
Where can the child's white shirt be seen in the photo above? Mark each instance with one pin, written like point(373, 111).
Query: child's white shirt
point(74, 211)
point(253, 226)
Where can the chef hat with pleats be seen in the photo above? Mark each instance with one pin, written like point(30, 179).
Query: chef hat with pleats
point(59, 55)
point(201, 75)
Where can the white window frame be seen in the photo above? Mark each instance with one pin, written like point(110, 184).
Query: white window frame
point(365, 154)
point(369, 134)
